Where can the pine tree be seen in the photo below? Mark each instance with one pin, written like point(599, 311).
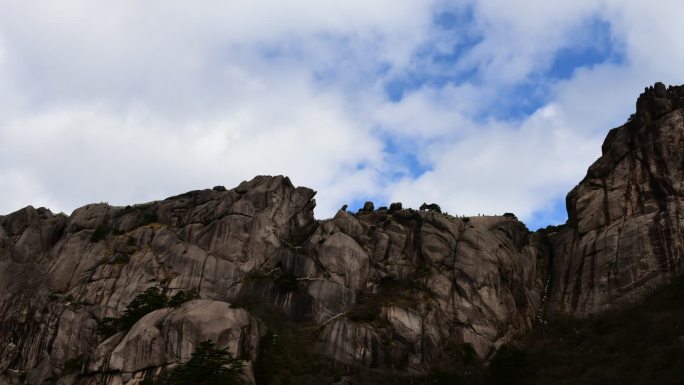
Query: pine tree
point(208, 365)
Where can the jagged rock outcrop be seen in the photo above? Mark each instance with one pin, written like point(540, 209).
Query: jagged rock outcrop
point(386, 289)
point(624, 235)
point(436, 281)
point(62, 276)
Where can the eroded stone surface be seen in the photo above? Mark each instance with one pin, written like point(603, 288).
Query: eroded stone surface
point(625, 218)
point(455, 282)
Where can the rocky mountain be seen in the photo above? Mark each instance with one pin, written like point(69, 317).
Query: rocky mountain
point(625, 219)
point(121, 295)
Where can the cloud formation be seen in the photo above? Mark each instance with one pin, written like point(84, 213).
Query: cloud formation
point(459, 102)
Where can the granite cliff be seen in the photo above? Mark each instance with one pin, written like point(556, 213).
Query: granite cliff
point(624, 232)
point(393, 291)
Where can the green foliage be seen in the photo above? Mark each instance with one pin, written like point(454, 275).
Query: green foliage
point(150, 300)
point(286, 354)
point(208, 366)
point(150, 217)
point(54, 296)
point(552, 228)
point(431, 207)
point(107, 327)
point(182, 297)
point(75, 364)
point(390, 292)
point(100, 233)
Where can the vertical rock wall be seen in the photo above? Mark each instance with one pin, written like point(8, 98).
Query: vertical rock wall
point(624, 234)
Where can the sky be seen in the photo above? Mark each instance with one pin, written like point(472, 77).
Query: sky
point(480, 106)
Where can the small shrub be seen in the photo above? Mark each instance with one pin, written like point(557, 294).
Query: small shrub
point(208, 366)
point(431, 207)
point(54, 296)
point(107, 327)
point(147, 302)
point(100, 233)
point(150, 217)
point(75, 364)
point(150, 300)
point(182, 297)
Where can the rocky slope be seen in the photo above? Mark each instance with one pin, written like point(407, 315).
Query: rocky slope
point(385, 289)
point(624, 235)
point(390, 290)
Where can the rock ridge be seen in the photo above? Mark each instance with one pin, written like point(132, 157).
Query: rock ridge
point(392, 290)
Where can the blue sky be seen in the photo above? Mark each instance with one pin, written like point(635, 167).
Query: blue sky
point(482, 106)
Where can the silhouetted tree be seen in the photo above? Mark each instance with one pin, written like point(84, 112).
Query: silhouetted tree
point(431, 207)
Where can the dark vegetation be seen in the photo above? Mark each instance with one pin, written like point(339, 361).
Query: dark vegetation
point(287, 353)
point(150, 300)
point(208, 365)
point(431, 207)
point(288, 356)
point(100, 233)
point(552, 229)
point(639, 344)
point(75, 364)
point(390, 291)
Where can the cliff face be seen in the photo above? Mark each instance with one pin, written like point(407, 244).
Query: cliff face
point(624, 234)
point(397, 290)
point(386, 289)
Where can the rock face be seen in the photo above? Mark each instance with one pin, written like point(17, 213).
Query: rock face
point(624, 233)
point(435, 280)
point(395, 289)
point(62, 276)
point(386, 289)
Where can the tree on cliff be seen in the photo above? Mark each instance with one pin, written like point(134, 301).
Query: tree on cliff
point(431, 207)
point(208, 365)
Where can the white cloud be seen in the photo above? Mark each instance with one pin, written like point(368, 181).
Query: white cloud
point(130, 101)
